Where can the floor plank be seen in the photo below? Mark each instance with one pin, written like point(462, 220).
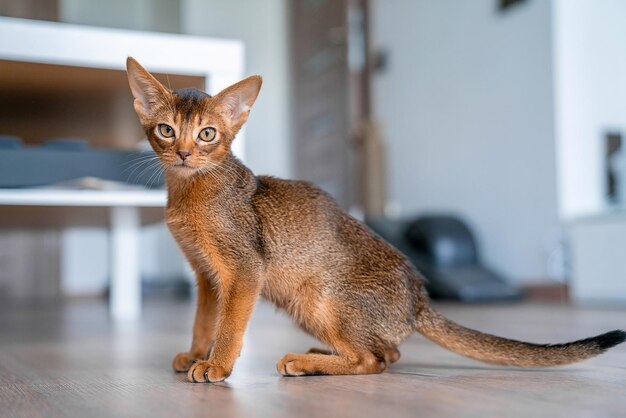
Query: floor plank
point(72, 361)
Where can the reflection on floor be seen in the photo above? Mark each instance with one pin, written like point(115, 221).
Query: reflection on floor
point(71, 361)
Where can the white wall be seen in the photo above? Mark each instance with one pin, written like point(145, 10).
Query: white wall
point(262, 26)
point(590, 83)
point(466, 108)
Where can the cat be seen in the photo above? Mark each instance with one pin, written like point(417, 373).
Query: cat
point(248, 236)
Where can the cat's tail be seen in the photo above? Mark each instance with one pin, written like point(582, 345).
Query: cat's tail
point(496, 350)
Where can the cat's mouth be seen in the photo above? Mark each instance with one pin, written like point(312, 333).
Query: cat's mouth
point(183, 166)
point(183, 163)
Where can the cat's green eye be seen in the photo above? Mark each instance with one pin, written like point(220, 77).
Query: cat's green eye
point(207, 134)
point(165, 130)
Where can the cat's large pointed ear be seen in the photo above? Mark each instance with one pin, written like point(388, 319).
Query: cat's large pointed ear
point(146, 89)
point(237, 100)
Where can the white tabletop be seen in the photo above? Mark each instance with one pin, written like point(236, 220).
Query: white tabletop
point(91, 198)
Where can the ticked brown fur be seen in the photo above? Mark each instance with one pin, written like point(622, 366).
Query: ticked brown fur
point(248, 236)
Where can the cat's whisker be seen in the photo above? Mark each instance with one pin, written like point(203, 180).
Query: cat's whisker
point(149, 182)
point(162, 176)
point(138, 170)
point(156, 173)
point(147, 165)
point(152, 167)
point(221, 179)
point(230, 167)
point(138, 163)
point(214, 177)
point(138, 159)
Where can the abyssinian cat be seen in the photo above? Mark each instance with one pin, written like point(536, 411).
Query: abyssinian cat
point(248, 236)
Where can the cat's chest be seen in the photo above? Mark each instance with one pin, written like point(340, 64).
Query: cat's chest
point(188, 233)
point(200, 237)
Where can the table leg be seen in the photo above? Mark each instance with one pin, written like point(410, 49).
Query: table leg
point(125, 296)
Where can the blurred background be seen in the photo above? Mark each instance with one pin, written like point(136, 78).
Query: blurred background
point(484, 138)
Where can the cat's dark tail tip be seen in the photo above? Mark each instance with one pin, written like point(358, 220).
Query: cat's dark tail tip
point(610, 339)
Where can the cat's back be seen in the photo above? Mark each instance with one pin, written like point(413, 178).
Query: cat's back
point(291, 202)
point(296, 216)
point(299, 218)
point(290, 192)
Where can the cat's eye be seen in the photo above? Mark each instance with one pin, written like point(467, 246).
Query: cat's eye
point(166, 131)
point(207, 134)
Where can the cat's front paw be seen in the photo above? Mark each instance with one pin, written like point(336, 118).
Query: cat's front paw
point(205, 371)
point(182, 362)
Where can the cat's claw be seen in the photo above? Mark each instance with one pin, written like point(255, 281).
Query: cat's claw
point(205, 372)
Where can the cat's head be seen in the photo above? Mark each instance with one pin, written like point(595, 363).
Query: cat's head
point(189, 130)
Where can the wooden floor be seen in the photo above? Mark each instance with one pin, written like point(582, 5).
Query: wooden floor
point(72, 362)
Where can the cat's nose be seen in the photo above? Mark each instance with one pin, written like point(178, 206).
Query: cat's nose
point(183, 154)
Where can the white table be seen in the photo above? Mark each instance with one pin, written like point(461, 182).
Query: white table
point(124, 223)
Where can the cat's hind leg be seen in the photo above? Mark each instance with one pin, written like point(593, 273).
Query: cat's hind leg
point(391, 354)
point(329, 364)
point(347, 361)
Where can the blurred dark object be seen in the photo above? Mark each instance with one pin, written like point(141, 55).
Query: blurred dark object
point(445, 251)
point(613, 149)
point(10, 142)
point(66, 144)
point(504, 5)
point(41, 166)
point(380, 61)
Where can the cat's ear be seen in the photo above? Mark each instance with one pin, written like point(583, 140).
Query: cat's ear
point(237, 100)
point(146, 89)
